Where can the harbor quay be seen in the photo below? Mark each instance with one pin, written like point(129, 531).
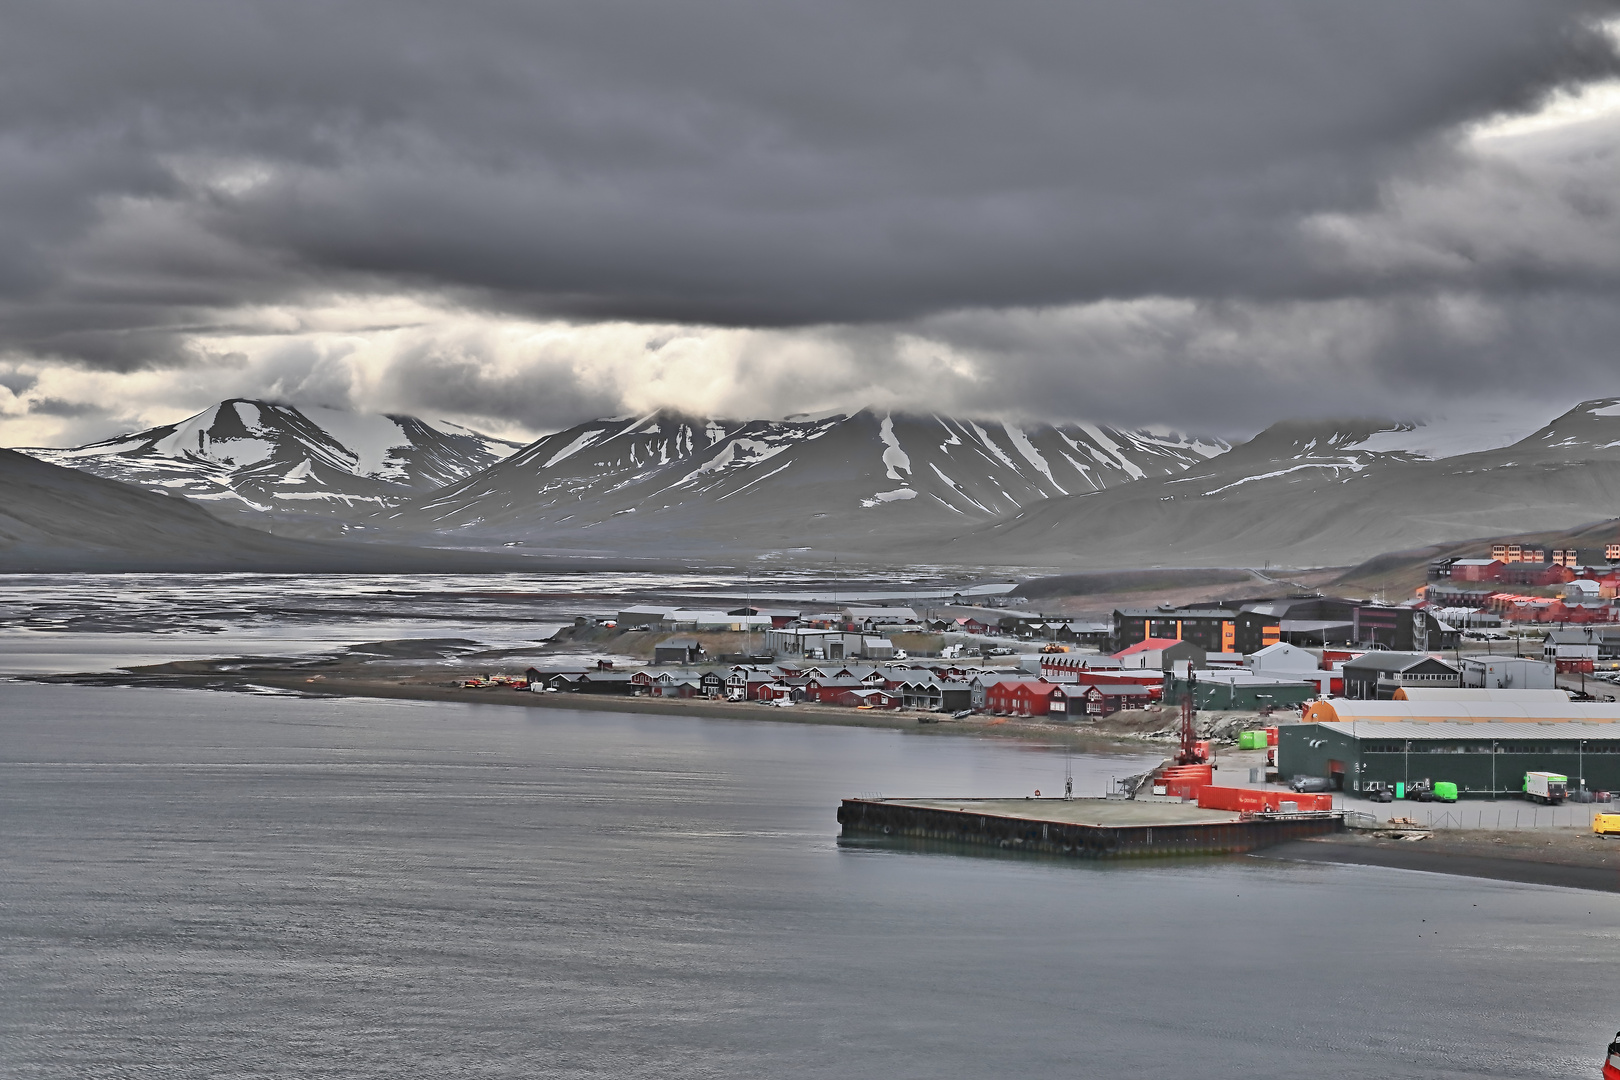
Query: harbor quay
point(1081, 828)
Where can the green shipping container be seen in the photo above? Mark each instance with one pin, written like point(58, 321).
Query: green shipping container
point(1251, 740)
point(1444, 791)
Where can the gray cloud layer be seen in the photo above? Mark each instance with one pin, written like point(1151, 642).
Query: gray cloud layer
point(906, 167)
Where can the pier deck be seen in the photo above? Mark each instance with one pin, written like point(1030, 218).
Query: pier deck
point(1081, 828)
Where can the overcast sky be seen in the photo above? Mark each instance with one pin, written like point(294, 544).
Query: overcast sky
point(524, 214)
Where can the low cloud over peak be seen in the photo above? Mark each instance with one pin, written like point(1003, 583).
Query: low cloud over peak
point(1025, 207)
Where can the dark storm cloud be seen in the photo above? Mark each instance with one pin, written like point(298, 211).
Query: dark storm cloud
point(442, 379)
point(767, 164)
point(70, 409)
point(1231, 368)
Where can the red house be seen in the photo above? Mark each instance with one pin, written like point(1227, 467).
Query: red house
point(1536, 573)
point(1149, 683)
point(828, 691)
point(1107, 700)
point(776, 691)
point(1476, 569)
point(1025, 698)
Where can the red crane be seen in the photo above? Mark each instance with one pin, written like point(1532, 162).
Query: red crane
point(1190, 753)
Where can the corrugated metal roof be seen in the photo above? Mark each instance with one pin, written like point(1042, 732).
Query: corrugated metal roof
point(1541, 710)
point(1379, 660)
point(1425, 695)
point(1589, 732)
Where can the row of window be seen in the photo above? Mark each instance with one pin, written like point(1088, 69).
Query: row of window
point(1602, 747)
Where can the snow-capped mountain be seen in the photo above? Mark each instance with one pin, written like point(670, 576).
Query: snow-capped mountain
point(668, 479)
point(1326, 493)
point(261, 456)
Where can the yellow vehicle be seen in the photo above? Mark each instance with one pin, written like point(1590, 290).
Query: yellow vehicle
point(1606, 824)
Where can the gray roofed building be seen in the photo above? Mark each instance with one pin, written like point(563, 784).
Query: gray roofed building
point(678, 650)
point(1377, 675)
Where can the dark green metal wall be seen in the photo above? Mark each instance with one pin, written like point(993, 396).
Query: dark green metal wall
point(1309, 749)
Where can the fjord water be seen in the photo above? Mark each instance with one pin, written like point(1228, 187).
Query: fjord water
point(205, 884)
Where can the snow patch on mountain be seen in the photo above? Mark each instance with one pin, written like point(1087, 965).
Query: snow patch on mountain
point(898, 495)
point(1113, 448)
point(573, 448)
point(990, 444)
point(1445, 437)
point(1032, 455)
point(1350, 464)
point(736, 452)
point(893, 457)
point(262, 455)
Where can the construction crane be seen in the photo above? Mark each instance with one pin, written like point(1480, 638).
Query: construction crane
point(1191, 753)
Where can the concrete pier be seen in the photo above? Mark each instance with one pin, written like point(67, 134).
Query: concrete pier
point(1079, 828)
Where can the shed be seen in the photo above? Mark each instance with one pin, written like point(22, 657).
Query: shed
point(872, 698)
point(678, 650)
point(1508, 673)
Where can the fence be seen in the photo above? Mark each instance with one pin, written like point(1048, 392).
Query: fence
point(1522, 816)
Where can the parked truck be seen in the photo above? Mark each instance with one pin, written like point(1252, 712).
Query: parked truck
point(1546, 787)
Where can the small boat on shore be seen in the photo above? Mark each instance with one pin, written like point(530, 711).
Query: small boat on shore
point(1611, 1063)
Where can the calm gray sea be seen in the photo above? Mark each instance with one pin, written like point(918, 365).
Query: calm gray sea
point(204, 884)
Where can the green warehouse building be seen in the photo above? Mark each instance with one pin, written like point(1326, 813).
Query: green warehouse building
point(1238, 689)
point(1485, 749)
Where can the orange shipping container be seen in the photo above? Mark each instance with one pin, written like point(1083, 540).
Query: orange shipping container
point(1256, 800)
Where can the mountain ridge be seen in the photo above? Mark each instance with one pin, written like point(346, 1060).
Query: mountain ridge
point(258, 456)
point(1332, 504)
point(892, 486)
point(799, 478)
point(60, 520)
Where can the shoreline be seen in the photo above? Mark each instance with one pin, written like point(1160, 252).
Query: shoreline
point(817, 715)
point(326, 683)
point(1565, 858)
